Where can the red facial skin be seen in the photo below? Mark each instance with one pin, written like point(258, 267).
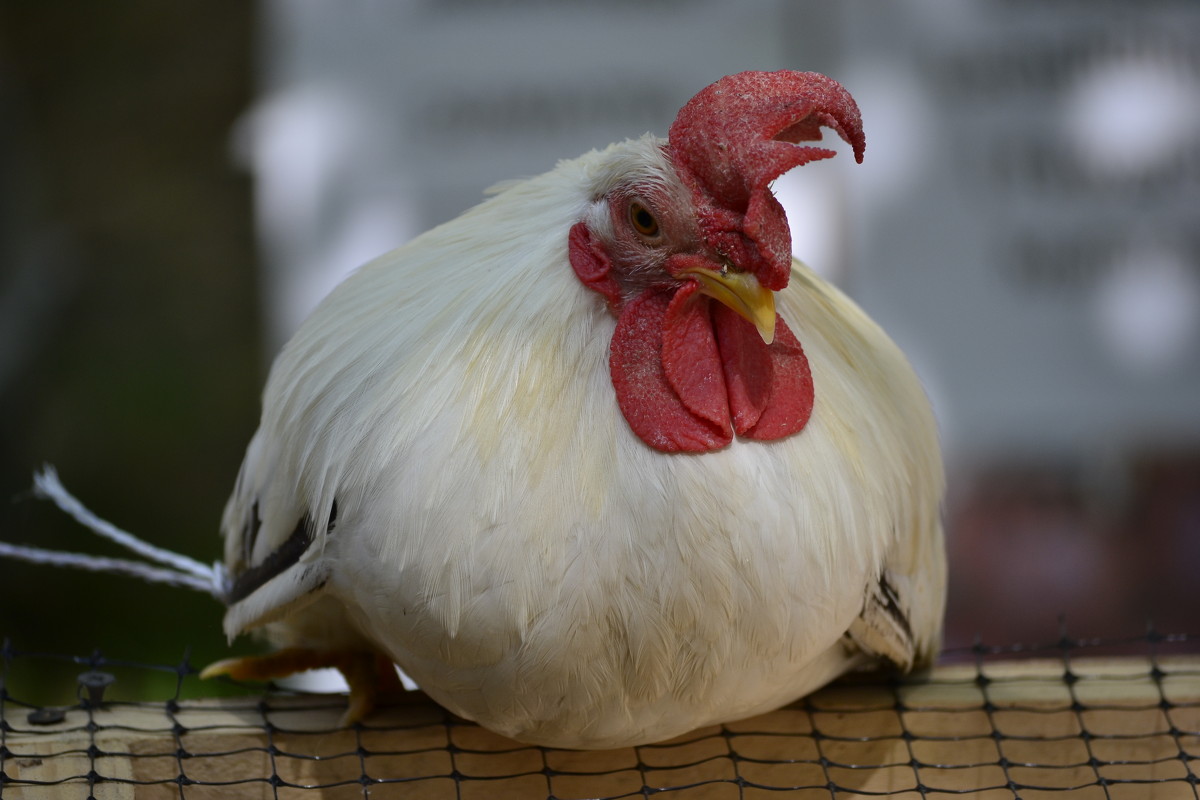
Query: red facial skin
point(689, 372)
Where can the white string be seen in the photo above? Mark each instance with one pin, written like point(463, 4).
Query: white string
point(119, 566)
point(181, 571)
point(47, 485)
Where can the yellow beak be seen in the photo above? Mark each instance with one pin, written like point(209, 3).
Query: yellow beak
point(742, 292)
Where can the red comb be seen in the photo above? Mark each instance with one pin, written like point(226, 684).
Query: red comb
point(739, 134)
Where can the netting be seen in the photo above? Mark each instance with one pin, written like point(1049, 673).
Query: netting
point(1072, 718)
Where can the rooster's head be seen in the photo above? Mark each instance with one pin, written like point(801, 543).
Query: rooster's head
point(691, 221)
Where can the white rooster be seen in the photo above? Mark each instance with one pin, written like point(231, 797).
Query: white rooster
point(597, 463)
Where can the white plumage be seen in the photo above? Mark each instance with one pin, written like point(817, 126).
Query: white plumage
point(505, 537)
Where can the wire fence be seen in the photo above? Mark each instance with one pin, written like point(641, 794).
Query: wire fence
point(1095, 718)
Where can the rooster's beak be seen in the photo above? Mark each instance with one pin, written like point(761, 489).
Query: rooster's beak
point(742, 292)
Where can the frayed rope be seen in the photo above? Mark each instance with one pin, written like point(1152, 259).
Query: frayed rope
point(177, 570)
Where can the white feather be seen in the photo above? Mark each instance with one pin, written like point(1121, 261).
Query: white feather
point(516, 549)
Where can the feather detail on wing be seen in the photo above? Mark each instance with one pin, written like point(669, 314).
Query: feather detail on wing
point(883, 629)
point(273, 551)
point(902, 611)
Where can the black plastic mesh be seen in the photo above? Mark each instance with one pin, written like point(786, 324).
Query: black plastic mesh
point(1073, 718)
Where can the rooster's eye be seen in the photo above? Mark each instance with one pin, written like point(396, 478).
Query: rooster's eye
point(643, 221)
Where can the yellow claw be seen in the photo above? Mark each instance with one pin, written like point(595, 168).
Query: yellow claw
point(370, 675)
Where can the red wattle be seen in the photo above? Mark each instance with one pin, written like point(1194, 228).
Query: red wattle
point(746, 364)
point(651, 406)
point(689, 372)
point(690, 358)
point(770, 387)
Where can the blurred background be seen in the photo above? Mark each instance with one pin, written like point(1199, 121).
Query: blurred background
point(181, 182)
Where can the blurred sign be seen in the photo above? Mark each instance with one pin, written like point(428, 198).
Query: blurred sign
point(1042, 258)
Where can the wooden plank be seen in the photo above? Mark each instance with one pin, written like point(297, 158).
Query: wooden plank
point(1023, 727)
